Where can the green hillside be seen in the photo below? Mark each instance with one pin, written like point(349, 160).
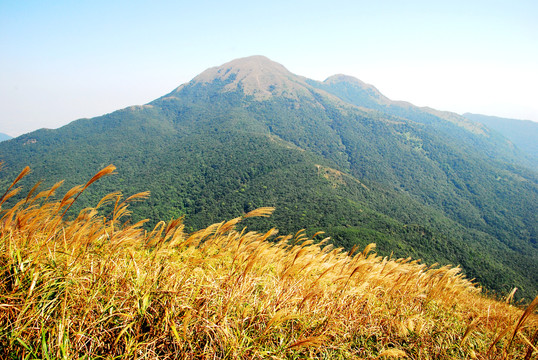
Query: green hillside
point(249, 134)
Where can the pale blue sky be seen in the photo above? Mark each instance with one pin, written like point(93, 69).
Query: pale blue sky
point(64, 60)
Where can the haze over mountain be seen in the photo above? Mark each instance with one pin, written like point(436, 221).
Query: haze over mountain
point(336, 156)
point(4, 137)
point(523, 133)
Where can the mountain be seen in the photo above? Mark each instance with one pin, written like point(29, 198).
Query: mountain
point(4, 137)
point(523, 133)
point(336, 156)
point(451, 125)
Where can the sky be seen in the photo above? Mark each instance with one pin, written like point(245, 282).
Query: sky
point(65, 60)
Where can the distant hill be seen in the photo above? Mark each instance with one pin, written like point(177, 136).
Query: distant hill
point(523, 133)
point(336, 156)
point(4, 137)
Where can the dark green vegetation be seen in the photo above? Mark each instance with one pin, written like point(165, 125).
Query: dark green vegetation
point(334, 156)
point(523, 133)
point(4, 137)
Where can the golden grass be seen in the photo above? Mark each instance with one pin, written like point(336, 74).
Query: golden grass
point(98, 287)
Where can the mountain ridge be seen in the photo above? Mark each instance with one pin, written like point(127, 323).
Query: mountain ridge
point(366, 95)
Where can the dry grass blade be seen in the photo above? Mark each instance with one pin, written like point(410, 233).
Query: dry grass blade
point(532, 346)
point(112, 197)
point(279, 317)
point(8, 194)
point(528, 311)
point(393, 353)
point(138, 196)
point(106, 171)
point(368, 248)
point(48, 193)
point(497, 339)
point(69, 194)
point(260, 212)
point(32, 190)
point(353, 249)
point(310, 341)
point(471, 326)
point(528, 342)
point(22, 174)
point(510, 296)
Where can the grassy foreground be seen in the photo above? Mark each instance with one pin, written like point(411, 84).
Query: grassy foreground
point(98, 287)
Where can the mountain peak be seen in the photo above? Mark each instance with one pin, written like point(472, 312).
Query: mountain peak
point(256, 75)
point(338, 78)
point(341, 79)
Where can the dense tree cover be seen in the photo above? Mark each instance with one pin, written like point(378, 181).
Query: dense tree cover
point(415, 184)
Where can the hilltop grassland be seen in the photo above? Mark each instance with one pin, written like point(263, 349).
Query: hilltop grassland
point(96, 286)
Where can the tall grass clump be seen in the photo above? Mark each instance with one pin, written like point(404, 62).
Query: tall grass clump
point(95, 286)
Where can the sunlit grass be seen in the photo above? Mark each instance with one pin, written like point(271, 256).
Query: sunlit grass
point(98, 287)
